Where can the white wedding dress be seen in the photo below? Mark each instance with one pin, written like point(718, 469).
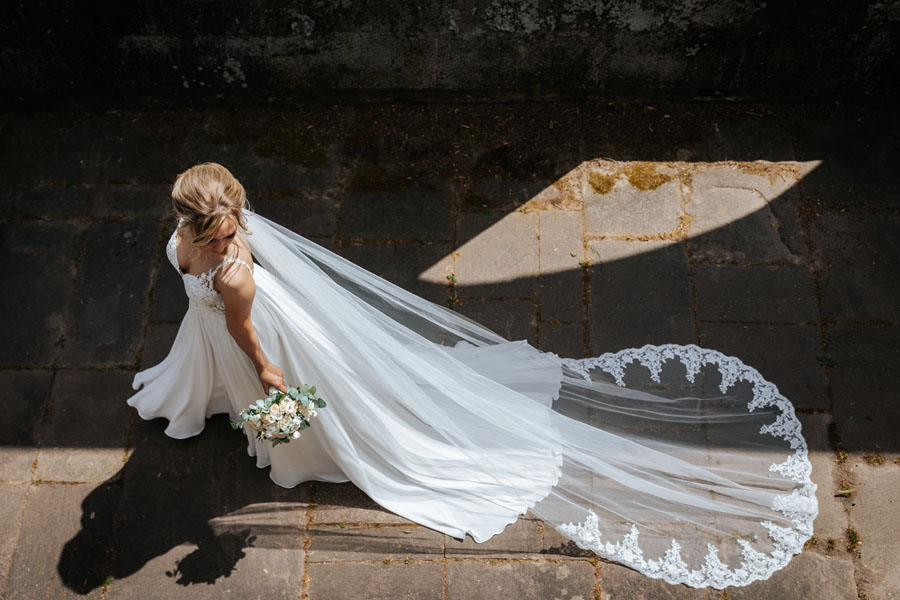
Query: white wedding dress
point(677, 461)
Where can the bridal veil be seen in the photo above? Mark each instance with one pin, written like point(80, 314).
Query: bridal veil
point(678, 461)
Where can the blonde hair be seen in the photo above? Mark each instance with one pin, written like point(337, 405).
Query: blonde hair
point(204, 196)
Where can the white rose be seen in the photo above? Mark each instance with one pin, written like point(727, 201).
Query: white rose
point(270, 418)
point(290, 406)
point(275, 409)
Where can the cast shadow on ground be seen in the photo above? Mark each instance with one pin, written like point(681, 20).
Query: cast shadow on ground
point(169, 494)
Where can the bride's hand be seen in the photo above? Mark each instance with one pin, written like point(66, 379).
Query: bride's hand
point(272, 376)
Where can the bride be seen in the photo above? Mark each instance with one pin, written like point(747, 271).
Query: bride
point(678, 461)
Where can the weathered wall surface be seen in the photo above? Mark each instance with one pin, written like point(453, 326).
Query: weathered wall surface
point(232, 51)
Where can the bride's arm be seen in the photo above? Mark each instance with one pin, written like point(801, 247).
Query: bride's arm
point(238, 290)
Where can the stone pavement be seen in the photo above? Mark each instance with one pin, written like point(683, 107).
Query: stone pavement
point(770, 232)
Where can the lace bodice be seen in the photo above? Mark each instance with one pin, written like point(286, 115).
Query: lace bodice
point(199, 288)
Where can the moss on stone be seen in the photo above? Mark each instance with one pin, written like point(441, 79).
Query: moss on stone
point(874, 460)
point(769, 170)
point(645, 177)
point(602, 183)
point(853, 540)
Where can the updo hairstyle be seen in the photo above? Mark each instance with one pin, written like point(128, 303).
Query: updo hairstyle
point(204, 196)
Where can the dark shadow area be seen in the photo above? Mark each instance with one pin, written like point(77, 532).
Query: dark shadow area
point(204, 491)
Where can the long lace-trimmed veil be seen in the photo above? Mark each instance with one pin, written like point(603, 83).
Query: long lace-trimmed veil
point(678, 461)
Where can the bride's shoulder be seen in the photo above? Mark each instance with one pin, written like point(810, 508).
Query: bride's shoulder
point(234, 280)
point(237, 270)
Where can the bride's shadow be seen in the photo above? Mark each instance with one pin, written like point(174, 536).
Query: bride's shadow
point(204, 491)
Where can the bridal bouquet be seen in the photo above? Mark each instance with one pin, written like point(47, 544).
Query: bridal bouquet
point(281, 417)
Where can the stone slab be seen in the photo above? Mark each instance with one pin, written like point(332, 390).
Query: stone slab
point(128, 201)
point(512, 319)
point(16, 463)
point(83, 439)
point(857, 156)
point(137, 146)
point(418, 268)
point(874, 517)
point(497, 255)
point(565, 580)
point(562, 296)
point(749, 136)
point(63, 543)
point(861, 257)
point(505, 176)
point(23, 395)
point(733, 219)
point(628, 211)
point(755, 293)
point(639, 294)
point(621, 583)
point(770, 180)
point(862, 382)
point(561, 232)
point(330, 543)
point(169, 299)
point(565, 339)
point(36, 255)
point(48, 200)
point(81, 465)
point(338, 503)
point(110, 298)
point(800, 378)
point(416, 212)
point(505, 194)
point(234, 530)
point(269, 149)
point(845, 183)
point(376, 582)
point(158, 343)
point(201, 497)
point(251, 495)
point(12, 504)
point(831, 521)
point(308, 212)
point(87, 409)
point(559, 546)
point(274, 525)
point(203, 572)
point(562, 278)
point(808, 575)
point(521, 539)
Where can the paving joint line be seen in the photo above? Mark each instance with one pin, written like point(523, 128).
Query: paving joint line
point(841, 472)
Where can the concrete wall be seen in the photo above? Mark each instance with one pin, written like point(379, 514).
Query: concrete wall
point(232, 51)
